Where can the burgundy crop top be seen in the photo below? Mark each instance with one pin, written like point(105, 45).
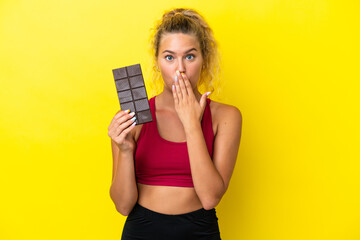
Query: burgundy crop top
point(162, 162)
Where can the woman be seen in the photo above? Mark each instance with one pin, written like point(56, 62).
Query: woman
point(170, 174)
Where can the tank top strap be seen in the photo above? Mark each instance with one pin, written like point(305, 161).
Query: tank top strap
point(152, 125)
point(147, 128)
point(152, 106)
point(206, 125)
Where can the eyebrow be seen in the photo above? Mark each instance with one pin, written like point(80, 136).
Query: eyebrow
point(185, 52)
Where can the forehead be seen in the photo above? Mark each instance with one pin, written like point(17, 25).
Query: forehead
point(178, 42)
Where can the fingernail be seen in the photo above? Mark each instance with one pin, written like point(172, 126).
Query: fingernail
point(173, 87)
point(176, 79)
point(133, 119)
point(208, 93)
point(127, 111)
point(132, 114)
point(177, 71)
point(133, 124)
point(182, 74)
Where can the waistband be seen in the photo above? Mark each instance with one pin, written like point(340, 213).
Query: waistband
point(200, 213)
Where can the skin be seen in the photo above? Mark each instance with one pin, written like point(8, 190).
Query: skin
point(179, 111)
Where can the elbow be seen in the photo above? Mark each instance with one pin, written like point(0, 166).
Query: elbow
point(123, 206)
point(211, 203)
point(123, 211)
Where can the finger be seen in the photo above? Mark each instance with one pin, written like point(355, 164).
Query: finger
point(124, 133)
point(188, 86)
point(176, 99)
point(119, 122)
point(182, 85)
point(121, 113)
point(117, 116)
point(203, 101)
point(123, 118)
point(177, 88)
point(123, 126)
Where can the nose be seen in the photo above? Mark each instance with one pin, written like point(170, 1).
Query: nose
point(181, 66)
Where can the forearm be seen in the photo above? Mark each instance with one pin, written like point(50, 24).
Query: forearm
point(123, 190)
point(208, 182)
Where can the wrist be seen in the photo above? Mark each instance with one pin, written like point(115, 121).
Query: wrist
point(125, 153)
point(193, 127)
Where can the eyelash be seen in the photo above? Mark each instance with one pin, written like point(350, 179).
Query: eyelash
point(186, 56)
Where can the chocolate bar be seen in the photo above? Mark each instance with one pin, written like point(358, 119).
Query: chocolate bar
point(131, 92)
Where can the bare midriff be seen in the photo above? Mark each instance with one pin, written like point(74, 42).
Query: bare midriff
point(168, 199)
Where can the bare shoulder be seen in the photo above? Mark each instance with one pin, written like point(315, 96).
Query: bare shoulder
point(223, 114)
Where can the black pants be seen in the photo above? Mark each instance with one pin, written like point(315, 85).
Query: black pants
point(145, 224)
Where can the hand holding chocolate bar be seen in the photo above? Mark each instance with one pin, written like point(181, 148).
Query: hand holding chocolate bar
point(121, 124)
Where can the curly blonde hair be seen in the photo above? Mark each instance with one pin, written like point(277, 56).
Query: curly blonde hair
point(188, 21)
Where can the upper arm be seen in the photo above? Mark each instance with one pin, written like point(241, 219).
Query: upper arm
point(227, 142)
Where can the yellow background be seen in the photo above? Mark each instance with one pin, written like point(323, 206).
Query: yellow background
point(291, 67)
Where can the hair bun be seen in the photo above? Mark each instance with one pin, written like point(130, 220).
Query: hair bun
point(178, 15)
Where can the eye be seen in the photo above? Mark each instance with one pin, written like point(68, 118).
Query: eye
point(190, 57)
point(169, 57)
